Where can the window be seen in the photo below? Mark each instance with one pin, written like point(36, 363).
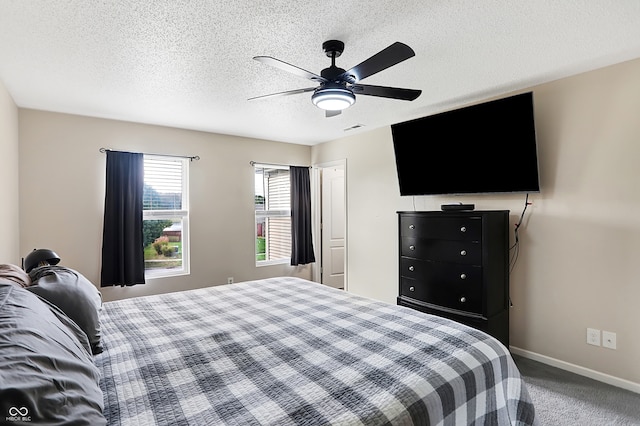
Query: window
point(273, 214)
point(165, 217)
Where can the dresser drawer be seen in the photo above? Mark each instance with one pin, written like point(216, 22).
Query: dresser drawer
point(440, 273)
point(447, 228)
point(467, 252)
point(458, 295)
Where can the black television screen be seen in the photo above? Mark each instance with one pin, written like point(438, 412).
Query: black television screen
point(479, 149)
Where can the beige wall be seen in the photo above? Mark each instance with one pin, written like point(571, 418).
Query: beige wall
point(9, 213)
point(62, 176)
point(581, 240)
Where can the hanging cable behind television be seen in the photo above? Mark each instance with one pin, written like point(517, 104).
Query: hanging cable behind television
point(515, 248)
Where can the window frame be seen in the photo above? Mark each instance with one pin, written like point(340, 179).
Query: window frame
point(270, 213)
point(172, 214)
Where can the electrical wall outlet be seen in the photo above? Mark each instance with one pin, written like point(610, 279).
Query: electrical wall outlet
point(230, 280)
point(609, 339)
point(593, 336)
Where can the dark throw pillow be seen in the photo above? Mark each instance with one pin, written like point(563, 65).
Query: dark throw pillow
point(47, 375)
point(75, 295)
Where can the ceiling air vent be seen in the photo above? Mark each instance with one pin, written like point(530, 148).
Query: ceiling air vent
point(355, 126)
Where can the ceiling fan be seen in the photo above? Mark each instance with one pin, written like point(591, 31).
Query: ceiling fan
point(338, 87)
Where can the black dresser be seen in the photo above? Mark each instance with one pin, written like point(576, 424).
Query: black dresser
point(455, 264)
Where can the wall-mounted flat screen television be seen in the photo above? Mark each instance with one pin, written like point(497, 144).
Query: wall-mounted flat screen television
point(480, 149)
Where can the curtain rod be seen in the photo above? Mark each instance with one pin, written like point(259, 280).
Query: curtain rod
point(253, 163)
point(191, 158)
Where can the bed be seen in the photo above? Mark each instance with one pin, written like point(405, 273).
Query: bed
point(287, 351)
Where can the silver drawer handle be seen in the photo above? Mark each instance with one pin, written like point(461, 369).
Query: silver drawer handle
point(463, 276)
point(412, 247)
point(463, 253)
point(463, 299)
point(411, 268)
point(463, 229)
point(412, 289)
point(412, 226)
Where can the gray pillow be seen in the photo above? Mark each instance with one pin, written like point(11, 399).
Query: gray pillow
point(47, 375)
point(75, 295)
point(13, 274)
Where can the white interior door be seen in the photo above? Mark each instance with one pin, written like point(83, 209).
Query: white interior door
point(333, 226)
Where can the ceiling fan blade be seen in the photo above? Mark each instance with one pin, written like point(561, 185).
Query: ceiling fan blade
point(288, 92)
point(386, 92)
point(332, 113)
point(382, 60)
point(290, 68)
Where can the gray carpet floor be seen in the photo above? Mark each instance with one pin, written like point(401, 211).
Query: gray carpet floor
point(562, 398)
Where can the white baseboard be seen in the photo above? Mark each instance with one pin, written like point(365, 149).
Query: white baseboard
point(583, 371)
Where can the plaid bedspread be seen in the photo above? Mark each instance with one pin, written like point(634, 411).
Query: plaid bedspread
point(286, 351)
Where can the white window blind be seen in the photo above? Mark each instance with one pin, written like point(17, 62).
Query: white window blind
point(164, 183)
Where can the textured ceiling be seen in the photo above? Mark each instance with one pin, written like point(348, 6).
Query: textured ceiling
point(188, 63)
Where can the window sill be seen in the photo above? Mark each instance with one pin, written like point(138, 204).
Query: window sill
point(273, 262)
point(158, 275)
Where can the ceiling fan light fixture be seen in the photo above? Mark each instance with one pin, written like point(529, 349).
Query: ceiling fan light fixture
point(333, 99)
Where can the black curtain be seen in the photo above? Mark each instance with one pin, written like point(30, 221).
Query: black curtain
point(301, 242)
point(122, 242)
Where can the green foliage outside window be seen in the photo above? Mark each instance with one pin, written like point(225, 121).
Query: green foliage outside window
point(152, 229)
point(261, 248)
